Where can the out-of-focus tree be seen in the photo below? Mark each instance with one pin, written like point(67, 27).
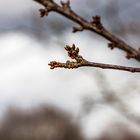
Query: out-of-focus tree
point(44, 123)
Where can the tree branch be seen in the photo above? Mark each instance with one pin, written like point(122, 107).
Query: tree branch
point(73, 52)
point(95, 26)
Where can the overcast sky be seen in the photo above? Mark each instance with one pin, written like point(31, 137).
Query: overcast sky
point(25, 78)
point(15, 13)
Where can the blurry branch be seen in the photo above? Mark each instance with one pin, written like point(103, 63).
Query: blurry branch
point(119, 131)
point(43, 123)
point(110, 97)
point(73, 52)
point(95, 25)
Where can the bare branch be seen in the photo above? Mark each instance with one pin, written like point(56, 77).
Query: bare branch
point(95, 26)
point(73, 52)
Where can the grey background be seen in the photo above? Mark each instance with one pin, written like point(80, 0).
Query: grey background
point(29, 43)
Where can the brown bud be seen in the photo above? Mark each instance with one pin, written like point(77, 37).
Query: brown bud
point(67, 48)
point(96, 19)
point(73, 47)
point(76, 29)
point(129, 55)
point(111, 46)
point(43, 12)
point(77, 50)
point(69, 54)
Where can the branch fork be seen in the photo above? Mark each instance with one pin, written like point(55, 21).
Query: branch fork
point(73, 53)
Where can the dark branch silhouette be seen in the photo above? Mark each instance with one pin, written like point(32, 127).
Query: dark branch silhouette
point(95, 25)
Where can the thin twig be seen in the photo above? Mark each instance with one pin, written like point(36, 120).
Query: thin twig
point(73, 52)
point(94, 25)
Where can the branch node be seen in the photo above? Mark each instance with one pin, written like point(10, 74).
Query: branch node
point(73, 52)
point(65, 4)
point(77, 29)
point(49, 4)
point(43, 12)
point(111, 45)
point(130, 55)
point(96, 21)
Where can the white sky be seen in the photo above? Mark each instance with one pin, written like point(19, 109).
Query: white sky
point(26, 80)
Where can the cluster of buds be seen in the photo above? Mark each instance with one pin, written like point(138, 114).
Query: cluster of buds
point(96, 20)
point(49, 5)
point(73, 52)
point(65, 4)
point(43, 12)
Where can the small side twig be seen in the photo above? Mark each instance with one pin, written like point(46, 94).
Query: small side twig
point(73, 52)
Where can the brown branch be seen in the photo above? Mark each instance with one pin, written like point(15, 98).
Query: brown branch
point(73, 52)
point(95, 26)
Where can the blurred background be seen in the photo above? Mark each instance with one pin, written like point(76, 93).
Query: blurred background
point(98, 99)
